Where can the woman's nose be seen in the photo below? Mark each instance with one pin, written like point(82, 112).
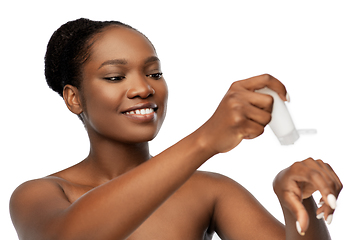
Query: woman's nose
point(140, 87)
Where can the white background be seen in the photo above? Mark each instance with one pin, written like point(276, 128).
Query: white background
point(311, 46)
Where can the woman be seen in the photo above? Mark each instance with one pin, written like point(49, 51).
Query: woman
point(110, 76)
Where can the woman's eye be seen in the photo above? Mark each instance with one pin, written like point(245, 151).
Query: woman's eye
point(155, 75)
point(114, 79)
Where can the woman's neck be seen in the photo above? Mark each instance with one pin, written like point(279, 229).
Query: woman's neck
point(110, 159)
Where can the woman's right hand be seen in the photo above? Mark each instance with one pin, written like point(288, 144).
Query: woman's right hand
point(242, 113)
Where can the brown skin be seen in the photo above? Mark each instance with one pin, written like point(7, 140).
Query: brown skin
point(120, 192)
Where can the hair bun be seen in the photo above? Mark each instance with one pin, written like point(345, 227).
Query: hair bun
point(56, 56)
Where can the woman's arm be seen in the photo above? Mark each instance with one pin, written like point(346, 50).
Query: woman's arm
point(40, 209)
point(238, 215)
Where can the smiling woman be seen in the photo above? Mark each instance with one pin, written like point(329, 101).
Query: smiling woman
point(112, 86)
point(110, 76)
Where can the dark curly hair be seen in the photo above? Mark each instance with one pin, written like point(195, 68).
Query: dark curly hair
point(69, 48)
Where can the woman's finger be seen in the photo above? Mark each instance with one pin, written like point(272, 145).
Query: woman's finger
point(266, 80)
point(325, 212)
point(262, 101)
point(294, 203)
point(335, 177)
point(320, 180)
point(329, 174)
point(251, 129)
point(258, 115)
point(334, 186)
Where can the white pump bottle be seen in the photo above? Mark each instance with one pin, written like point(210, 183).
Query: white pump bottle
point(281, 122)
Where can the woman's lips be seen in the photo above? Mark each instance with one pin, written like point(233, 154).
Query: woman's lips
point(141, 106)
point(143, 112)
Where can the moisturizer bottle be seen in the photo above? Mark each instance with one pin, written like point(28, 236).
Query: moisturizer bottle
point(281, 122)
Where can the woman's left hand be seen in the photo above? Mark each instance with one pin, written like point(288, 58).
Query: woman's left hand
point(300, 181)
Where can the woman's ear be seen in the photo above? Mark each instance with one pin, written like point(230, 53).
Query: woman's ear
point(72, 99)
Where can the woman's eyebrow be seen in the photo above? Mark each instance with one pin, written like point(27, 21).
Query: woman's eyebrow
point(151, 59)
point(114, 62)
point(124, 61)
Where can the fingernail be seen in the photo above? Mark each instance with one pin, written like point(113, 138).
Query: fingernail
point(321, 203)
point(332, 200)
point(287, 97)
point(320, 215)
point(298, 228)
point(329, 219)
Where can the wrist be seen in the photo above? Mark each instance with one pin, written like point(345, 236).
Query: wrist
point(203, 143)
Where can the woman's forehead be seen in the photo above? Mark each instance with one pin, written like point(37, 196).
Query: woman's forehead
point(121, 43)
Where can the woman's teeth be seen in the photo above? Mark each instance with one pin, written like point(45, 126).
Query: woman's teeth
point(141, 111)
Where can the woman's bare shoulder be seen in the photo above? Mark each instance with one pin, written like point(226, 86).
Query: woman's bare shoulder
point(232, 204)
point(34, 190)
point(216, 180)
point(36, 200)
point(224, 190)
point(218, 185)
point(52, 188)
point(37, 185)
point(209, 176)
point(52, 182)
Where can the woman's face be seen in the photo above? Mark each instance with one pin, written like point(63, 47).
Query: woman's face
point(123, 92)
